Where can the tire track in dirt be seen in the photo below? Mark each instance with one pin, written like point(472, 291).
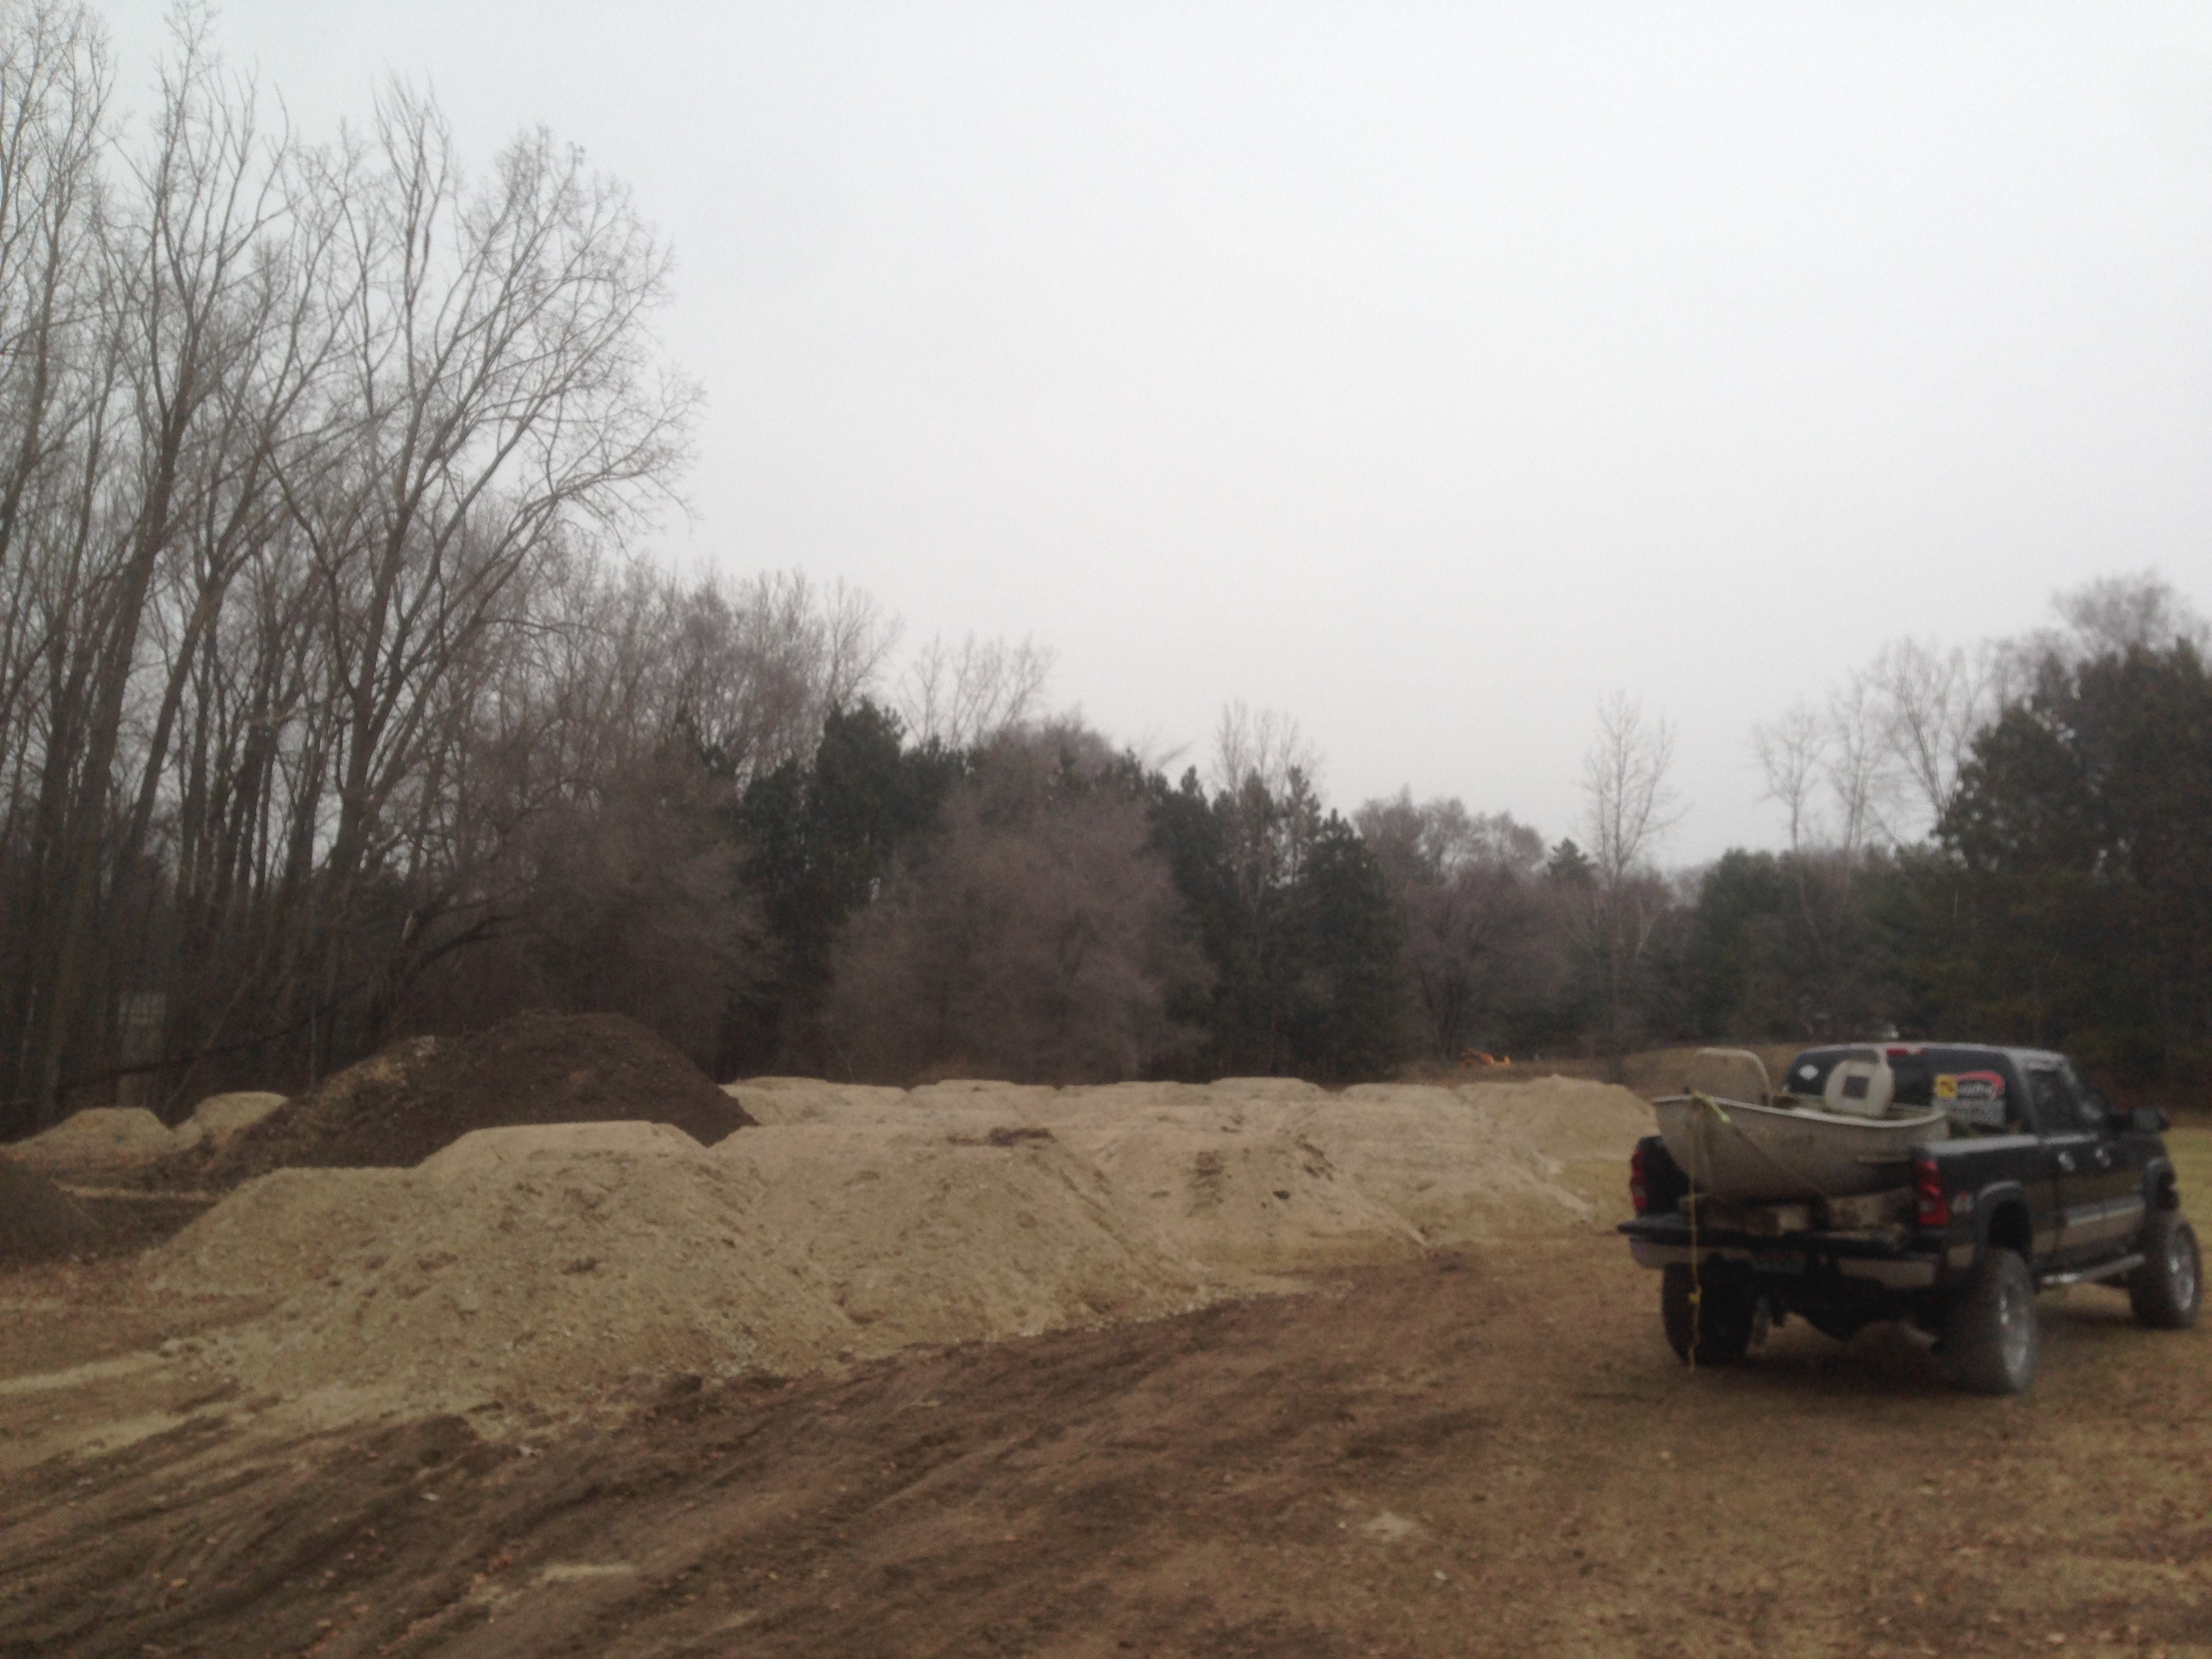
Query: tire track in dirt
point(1483, 1454)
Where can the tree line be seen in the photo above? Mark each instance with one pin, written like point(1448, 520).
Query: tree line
point(2010, 840)
point(333, 708)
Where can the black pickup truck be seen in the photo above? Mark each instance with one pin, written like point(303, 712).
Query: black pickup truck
point(2035, 1182)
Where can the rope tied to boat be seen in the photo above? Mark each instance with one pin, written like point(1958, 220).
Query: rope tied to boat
point(1697, 1277)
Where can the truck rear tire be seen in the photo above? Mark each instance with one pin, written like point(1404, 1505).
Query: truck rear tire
point(2166, 1291)
point(1719, 1329)
point(1990, 1338)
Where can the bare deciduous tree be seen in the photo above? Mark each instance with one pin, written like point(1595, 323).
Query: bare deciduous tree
point(1629, 803)
point(2112, 613)
point(1792, 754)
point(293, 444)
point(1264, 744)
point(1936, 700)
point(1628, 806)
point(960, 698)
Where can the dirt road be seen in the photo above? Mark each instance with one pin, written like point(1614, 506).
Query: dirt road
point(1485, 1454)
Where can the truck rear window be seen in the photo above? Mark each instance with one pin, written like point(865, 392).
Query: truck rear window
point(1808, 1076)
point(1969, 1083)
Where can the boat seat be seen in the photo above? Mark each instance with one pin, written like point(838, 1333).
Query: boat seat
point(1860, 1088)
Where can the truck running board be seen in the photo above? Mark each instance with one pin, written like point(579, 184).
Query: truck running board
point(2126, 1264)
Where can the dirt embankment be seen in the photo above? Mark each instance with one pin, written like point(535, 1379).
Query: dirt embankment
point(39, 1222)
point(395, 1110)
point(136, 1180)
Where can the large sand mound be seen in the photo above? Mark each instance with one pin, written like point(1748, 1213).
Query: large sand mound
point(219, 1117)
point(1563, 1117)
point(494, 1149)
point(786, 1100)
point(931, 1237)
point(99, 1137)
point(286, 1231)
point(129, 1144)
point(1246, 1199)
point(1267, 1175)
point(549, 1263)
point(1272, 1180)
point(518, 1273)
point(395, 1109)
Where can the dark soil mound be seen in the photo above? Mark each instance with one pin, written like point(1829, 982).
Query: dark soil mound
point(130, 1221)
point(38, 1220)
point(395, 1109)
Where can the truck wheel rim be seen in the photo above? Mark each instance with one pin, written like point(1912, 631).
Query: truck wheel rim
point(2181, 1269)
point(2012, 1328)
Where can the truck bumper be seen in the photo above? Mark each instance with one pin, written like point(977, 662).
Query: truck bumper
point(1851, 1259)
point(1887, 1257)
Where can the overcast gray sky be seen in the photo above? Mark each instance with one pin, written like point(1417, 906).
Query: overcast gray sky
point(1423, 372)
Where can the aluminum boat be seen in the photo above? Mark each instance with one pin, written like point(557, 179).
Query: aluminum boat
point(1744, 1144)
point(1745, 1153)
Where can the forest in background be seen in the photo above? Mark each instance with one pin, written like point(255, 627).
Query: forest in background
point(333, 708)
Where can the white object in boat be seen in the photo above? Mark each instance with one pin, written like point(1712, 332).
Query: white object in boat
point(1860, 1088)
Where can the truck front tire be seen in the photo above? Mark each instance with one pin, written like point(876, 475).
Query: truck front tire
point(1990, 1334)
point(1719, 1329)
point(2166, 1291)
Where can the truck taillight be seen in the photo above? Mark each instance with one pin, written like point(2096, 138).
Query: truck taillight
point(1934, 1209)
point(1637, 1194)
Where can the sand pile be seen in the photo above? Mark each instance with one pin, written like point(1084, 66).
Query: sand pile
point(928, 1236)
point(1276, 1180)
point(495, 1149)
point(397, 1107)
point(1246, 1199)
point(530, 1264)
point(786, 1100)
point(549, 1263)
point(219, 1117)
point(38, 1222)
point(519, 1281)
point(284, 1232)
point(1270, 1175)
point(1564, 1118)
point(958, 1096)
point(117, 1141)
point(99, 1137)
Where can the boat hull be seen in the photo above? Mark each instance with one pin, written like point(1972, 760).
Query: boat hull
point(1746, 1154)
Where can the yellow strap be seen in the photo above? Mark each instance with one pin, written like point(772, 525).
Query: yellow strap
point(1697, 1283)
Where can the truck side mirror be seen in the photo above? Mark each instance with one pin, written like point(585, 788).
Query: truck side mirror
point(2150, 1121)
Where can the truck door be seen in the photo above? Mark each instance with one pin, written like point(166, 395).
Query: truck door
point(2112, 1207)
point(1986, 1095)
point(2090, 1183)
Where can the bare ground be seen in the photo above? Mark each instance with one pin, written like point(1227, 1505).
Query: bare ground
point(1490, 1453)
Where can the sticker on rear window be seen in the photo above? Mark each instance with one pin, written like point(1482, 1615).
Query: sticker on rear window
point(1977, 1096)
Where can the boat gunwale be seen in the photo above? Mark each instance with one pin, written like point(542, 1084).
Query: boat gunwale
point(1811, 1115)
